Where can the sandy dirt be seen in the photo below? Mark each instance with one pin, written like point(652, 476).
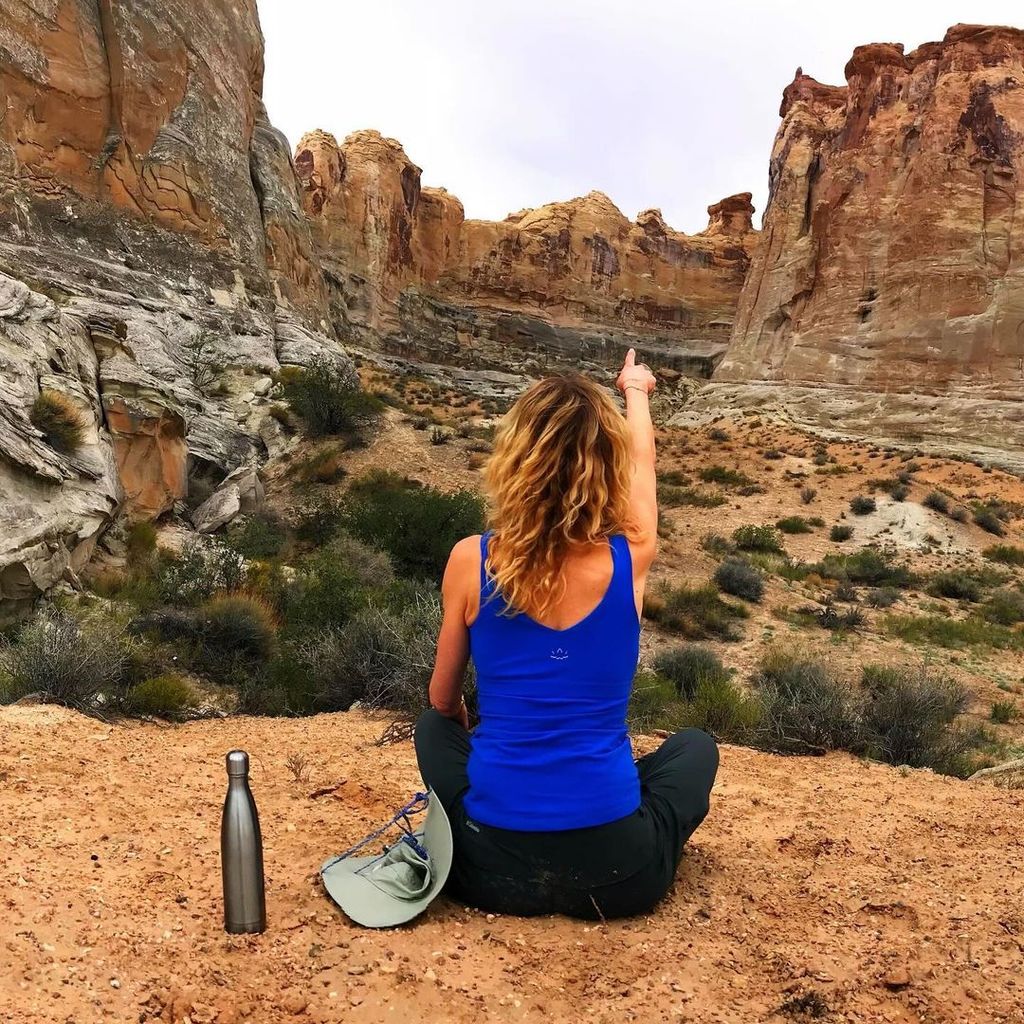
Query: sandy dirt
point(854, 890)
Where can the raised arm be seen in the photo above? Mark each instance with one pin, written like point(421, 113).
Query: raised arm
point(636, 382)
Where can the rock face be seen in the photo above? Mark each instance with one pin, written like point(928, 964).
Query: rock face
point(573, 282)
point(887, 298)
point(155, 261)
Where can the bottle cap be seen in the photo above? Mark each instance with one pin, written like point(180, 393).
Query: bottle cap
point(238, 763)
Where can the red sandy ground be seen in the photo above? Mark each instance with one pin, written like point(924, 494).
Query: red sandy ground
point(895, 896)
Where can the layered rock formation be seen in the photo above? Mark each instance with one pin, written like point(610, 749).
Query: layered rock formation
point(573, 282)
point(154, 259)
point(887, 298)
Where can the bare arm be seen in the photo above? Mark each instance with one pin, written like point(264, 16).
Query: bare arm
point(453, 640)
point(636, 382)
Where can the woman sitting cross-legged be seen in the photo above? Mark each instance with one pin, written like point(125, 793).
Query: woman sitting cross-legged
point(549, 811)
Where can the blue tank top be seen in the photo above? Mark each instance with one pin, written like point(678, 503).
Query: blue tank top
point(552, 751)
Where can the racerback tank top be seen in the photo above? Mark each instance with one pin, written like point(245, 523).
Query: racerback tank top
point(552, 751)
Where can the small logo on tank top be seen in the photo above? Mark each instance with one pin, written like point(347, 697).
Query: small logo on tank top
point(559, 654)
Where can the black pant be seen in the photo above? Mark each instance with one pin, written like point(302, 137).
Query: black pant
point(612, 870)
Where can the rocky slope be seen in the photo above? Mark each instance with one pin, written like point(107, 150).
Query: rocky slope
point(571, 282)
point(887, 297)
point(155, 265)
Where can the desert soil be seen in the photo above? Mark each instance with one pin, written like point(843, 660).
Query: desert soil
point(856, 891)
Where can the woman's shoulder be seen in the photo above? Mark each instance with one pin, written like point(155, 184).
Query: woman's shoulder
point(465, 553)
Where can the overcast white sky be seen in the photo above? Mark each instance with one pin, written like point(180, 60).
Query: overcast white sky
point(514, 103)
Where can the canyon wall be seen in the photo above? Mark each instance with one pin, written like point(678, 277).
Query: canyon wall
point(887, 297)
point(155, 265)
point(570, 283)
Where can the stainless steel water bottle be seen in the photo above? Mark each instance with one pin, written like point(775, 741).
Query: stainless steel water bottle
point(241, 852)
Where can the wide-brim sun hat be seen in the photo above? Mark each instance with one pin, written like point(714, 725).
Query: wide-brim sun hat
point(395, 886)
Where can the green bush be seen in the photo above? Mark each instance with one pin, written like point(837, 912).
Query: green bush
point(686, 666)
point(805, 708)
point(757, 538)
point(724, 476)
point(738, 577)
point(57, 417)
point(862, 505)
point(673, 496)
point(839, 533)
point(1005, 553)
point(202, 569)
point(721, 708)
point(260, 535)
point(868, 566)
point(417, 526)
point(319, 519)
point(959, 586)
point(718, 434)
point(695, 612)
point(953, 633)
point(937, 501)
point(653, 704)
point(141, 542)
point(62, 659)
point(907, 715)
point(794, 524)
point(327, 397)
point(1005, 607)
point(883, 597)
point(808, 494)
point(238, 633)
point(989, 519)
point(1003, 712)
point(167, 696)
point(716, 544)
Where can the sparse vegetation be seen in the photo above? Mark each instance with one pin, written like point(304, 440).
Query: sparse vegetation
point(694, 612)
point(57, 417)
point(1007, 554)
point(671, 495)
point(327, 397)
point(794, 524)
point(724, 476)
point(757, 538)
point(959, 586)
point(943, 631)
point(863, 505)
point(738, 577)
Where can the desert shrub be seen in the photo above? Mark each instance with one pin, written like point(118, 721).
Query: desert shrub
point(867, 566)
point(670, 495)
point(203, 568)
point(325, 466)
point(723, 709)
point(695, 612)
point(959, 514)
point(808, 494)
point(862, 505)
point(653, 704)
point(1003, 712)
point(1005, 607)
point(166, 696)
point(907, 716)
point(805, 707)
point(724, 476)
point(332, 585)
point(846, 591)
point(794, 524)
point(738, 577)
point(937, 501)
point(883, 597)
point(319, 519)
point(773, 454)
point(417, 526)
point(899, 492)
point(989, 519)
point(959, 586)
point(238, 632)
point(840, 532)
point(820, 457)
point(716, 544)
point(686, 665)
point(66, 660)
point(1007, 554)
point(327, 397)
point(260, 535)
point(943, 631)
point(718, 434)
point(438, 435)
point(58, 418)
point(140, 541)
point(757, 538)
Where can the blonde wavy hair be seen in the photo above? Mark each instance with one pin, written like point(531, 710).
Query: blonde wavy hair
point(559, 477)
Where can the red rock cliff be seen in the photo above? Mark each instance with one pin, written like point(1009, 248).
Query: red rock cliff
point(892, 258)
point(571, 278)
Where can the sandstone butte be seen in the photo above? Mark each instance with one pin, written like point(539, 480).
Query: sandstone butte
point(887, 297)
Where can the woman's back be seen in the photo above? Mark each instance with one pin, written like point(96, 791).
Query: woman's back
point(552, 751)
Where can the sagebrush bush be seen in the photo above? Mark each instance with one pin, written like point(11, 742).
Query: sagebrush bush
point(794, 524)
point(724, 710)
point(695, 612)
point(937, 501)
point(959, 586)
point(238, 632)
point(943, 631)
point(907, 715)
point(757, 538)
point(416, 525)
point(58, 418)
point(202, 569)
point(673, 496)
point(1005, 607)
point(1003, 712)
point(716, 544)
point(989, 519)
point(869, 566)
point(725, 476)
point(327, 397)
point(862, 505)
point(1005, 553)
point(686, 665)
point(77, 662)
point(166, 696)
point(840, 532)
point(738, 577)
point(808, 494)
point(883, 597)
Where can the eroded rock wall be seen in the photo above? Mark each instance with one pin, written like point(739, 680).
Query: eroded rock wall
point(155, 263)
point(572, 282)
point(887, 298)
